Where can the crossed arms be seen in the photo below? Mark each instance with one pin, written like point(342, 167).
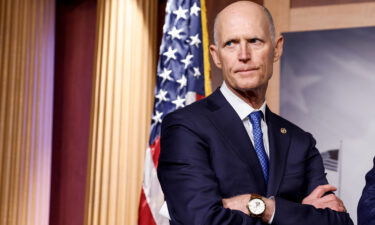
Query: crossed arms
point(190, 182)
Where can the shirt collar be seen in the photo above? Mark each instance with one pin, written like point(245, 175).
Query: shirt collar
point(240, 106)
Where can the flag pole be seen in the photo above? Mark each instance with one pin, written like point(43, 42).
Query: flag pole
point(340, 167)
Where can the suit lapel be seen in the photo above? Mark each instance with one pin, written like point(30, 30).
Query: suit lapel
point(229, 124)
point(279, 140)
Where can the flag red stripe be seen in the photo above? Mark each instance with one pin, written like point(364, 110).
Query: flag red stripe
point(199, 97)
point(145, 217)
point(155, 151)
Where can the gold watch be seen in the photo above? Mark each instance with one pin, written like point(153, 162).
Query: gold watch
point(256, 206)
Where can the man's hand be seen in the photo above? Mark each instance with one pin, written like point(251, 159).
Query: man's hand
point(239, 202)
point(329, 201)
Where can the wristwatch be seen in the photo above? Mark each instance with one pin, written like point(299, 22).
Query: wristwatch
point(256, 206)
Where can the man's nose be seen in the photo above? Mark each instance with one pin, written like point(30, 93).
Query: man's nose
point(244, 52)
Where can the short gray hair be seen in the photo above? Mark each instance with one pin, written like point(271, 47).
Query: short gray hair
point(270, 23)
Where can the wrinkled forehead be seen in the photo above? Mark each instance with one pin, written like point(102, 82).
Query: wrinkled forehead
point(246, 20)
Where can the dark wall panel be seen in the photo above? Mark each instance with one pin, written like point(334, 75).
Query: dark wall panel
point(75, 44)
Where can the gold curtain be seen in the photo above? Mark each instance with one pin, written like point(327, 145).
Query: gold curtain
point(26, 94)
point(121, 109)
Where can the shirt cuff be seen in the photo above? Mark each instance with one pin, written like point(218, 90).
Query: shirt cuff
point(273, 214)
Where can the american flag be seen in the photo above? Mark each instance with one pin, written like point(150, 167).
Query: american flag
point(180, 81)
point(331, 159)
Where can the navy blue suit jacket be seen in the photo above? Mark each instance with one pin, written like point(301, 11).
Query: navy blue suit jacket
point(366, 206)
point(206, 155)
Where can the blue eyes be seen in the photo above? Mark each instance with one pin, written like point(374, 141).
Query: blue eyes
point(229, 43)
point(255, 41)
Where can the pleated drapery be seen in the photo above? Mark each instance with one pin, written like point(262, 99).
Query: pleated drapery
point(26, 93)
point(121, 109)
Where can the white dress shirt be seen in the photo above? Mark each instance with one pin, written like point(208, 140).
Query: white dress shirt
point(243, 110)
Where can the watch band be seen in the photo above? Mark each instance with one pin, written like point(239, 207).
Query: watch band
point(255, 196)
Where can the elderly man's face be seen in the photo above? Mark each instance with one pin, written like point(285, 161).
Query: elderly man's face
point(245, 51)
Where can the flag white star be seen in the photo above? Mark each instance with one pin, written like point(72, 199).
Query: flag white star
point(195, 40)
point(170, 53)
point(187, 60)
point(194, 9)
point(157, 117)
point(166, 75)
point(162, 96)
point(182, 81)
point(175, 33)
point(197, 73)
point(180, 13)
point(179, 102)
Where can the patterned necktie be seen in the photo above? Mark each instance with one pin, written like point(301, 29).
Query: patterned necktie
point(255, 118)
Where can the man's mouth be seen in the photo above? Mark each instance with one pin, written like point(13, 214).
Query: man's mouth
point(245, 70)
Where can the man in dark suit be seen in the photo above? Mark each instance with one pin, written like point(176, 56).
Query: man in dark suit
point(366, 206)
point(228, 159)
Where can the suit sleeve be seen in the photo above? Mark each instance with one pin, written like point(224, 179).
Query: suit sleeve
point(188, 181)
point(295, 213)
point(366, 206)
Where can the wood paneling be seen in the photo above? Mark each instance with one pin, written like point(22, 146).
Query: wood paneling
point(308, 3)
point(332, 17)
point(280, 13)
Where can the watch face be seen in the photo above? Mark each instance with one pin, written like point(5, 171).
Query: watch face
point(256, 206)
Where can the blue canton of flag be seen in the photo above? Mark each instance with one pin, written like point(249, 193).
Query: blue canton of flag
point(180, 79)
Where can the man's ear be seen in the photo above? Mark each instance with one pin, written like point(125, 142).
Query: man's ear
point(215, 55)
point(278, 48)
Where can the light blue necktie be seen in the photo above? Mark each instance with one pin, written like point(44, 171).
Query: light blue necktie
point(255, 118)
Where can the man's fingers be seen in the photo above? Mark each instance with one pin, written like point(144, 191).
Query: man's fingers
point(329, 201)
point(317, 193)
point(321, 189)
point(330, 197)
point(334, 206)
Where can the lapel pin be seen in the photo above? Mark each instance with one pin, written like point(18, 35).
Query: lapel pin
point(283, 130)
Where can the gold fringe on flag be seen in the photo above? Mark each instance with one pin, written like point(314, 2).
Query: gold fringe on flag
point(205, 42)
